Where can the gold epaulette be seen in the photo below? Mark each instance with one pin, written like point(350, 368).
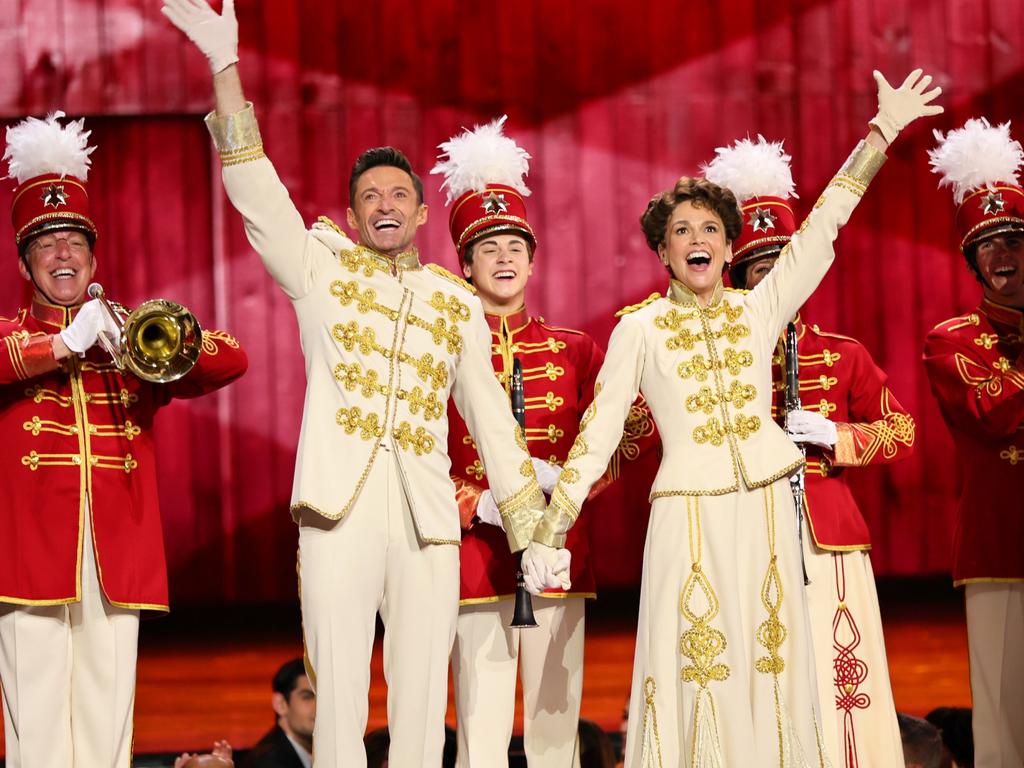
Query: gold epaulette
point(548, 326)
point(18, 319)
point(956, 323)
point(451, 277)
point(738, 290)
point(328, 222)
point(832, 335)
point(634, 307)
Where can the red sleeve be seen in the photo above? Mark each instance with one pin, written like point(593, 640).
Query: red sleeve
point(974, 392)
point(880, 430)
point(467, 495)
point(24, 356)
point(221, 361)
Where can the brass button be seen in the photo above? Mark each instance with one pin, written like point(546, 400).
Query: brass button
point(76, 459)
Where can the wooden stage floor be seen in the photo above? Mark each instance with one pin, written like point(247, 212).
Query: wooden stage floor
point(205, 674)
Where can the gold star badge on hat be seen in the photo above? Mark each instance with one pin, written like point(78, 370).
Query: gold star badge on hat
point(992, 203)
point(495, 203)
point(762, 220)
point(54, 196)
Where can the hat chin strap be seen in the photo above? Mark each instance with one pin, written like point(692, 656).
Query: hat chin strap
point(39, 289)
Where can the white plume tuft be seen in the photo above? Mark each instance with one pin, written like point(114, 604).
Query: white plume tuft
point(975, 156)
point(485, 155)
point(752, 169)
point(35, 147)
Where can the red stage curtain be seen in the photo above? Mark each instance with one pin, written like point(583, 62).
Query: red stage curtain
point(614, 101)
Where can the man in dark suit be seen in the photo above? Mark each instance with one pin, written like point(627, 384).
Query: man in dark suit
point(289, 744)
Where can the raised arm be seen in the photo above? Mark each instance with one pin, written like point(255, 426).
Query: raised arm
point(273, 224)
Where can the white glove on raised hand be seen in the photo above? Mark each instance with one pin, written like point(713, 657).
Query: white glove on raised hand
point(811, 427)
point(547, 474)
point(215, 35)
point(545, 567)
point(899, 107)
point(92, 320)
point(487, 510)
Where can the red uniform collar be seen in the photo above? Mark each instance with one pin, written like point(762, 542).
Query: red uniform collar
point(53, 314)
point(510, 323)
point(1000, 314)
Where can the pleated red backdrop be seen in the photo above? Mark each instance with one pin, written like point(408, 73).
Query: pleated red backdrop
point(614, 100)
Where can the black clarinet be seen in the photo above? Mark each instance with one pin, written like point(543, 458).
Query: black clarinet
point(796, 480)
point(522, 614)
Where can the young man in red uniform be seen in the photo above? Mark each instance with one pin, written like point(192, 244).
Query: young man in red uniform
point(976, 369)
point(849, 418)
point(496, 246)
point(82, 548)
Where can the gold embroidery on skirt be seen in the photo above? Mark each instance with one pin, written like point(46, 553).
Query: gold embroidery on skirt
point(701, 644)
point(649, 730)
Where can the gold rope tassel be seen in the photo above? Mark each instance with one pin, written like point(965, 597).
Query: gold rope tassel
point(707, 750)
point(701, 644)
point(650, 742)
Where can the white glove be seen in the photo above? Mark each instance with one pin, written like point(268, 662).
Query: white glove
point(216, 36)
point(487, 510)
point(811, 427)
point(91, 321)
point(545, 567)
point(898, 108)
point(547, 474)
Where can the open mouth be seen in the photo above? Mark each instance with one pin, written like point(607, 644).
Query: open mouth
point(62, 274)
point(698, 259)
point(505, 274)
point(1006, 270)
point(386, 225)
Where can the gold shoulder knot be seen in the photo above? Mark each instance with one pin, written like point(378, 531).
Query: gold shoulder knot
point(451, 277)
point(634, 307)
point(738, 290)
point(329, 223)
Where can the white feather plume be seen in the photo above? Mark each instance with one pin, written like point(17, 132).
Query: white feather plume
point(975, 156)
point(35, 147)
point(485, 155)
point(752, 169)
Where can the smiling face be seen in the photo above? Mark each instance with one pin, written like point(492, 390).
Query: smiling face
point(695, 248)
point(61, 265)
point(1000, 261)
point(499, 266)
point(385, 210)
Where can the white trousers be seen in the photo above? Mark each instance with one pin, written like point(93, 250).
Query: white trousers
point(550, 661)
point(68, 674)
point(995, 640)
point(372, 561)
point(859, 724)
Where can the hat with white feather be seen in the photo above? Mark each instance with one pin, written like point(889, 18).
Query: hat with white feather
point(981, 162)
point(758, 174)
point(484, 174)
point(50, 162)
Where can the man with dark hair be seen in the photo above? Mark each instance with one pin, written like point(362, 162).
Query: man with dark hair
point(387, 156)
point(975, 365)
point(922, 744)
point(386, 340)
point(954, 724)
point(289, 744)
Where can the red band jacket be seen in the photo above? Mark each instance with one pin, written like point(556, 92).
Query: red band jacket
point(81, 432)
point(560, 366)
point(976, 371)
point(839, 379)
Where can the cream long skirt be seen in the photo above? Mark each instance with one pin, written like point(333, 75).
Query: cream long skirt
point(723, 673)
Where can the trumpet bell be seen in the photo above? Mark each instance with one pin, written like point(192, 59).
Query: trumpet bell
point(161, 340)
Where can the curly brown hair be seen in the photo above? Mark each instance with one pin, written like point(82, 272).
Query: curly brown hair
point(703, 194)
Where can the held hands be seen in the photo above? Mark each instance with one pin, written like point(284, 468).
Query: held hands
point(547, 474)
point(220, 757)
point(811, 427)
point(215, 35)
point(899, 107)
point(85, 330)
point(487, 510)
point(545, 567)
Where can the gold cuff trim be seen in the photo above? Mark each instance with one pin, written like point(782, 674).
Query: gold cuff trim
point(235, 132)
point(241, 156)
point(864, 162)
point(520, 512)
point(547, 531)
point(983, 580)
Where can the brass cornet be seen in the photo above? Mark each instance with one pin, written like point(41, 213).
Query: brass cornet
point(160, 340)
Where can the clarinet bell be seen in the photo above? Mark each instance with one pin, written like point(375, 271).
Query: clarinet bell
point(522, 613)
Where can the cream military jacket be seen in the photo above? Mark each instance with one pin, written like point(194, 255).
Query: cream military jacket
point(706, 372)
point(385, 341)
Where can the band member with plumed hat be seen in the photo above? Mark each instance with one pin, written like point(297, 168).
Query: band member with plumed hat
point(81, 548)
point(976, 368)
point(849, 418)
point(484, 174)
